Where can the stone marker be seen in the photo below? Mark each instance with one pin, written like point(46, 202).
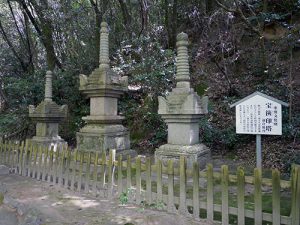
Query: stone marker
point(103, 129)
point(181, 110)
point(47, 116)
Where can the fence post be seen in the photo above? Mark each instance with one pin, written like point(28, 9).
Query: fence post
point(210, 193)
point(276, 197)
point(148, 181)
point(241, 195)
point(182, 183)
point(295, 184)
point(171, 206)
point(225, 198)
point(138, 180)
point(257, 196)
point(196, 206)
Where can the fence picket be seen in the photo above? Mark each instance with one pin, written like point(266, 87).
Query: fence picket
point(74, 168)
point(35, 152)
point(25, 161)
point(61, 168)
point(95, 174)
point(138, 180)
point(295, 185)
point(210, 193)
point(88, 173)
point(276, 197)
point(20, 158)
point(171, 206)
point(80, 171)
point(182, 185)
point(110, 174)
point(128, 173)
point(45, 169)
point(120, 176)
point(39, 166)
point(55, 166)
point(241, 195)
point(196, 204)
point(225, 199)
point(257, 196)
point(159, 196)
point(148, 181)
point(103, 168)
point(51, 170)
point(68, 166)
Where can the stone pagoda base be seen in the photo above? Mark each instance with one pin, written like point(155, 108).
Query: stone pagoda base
point(57, 142)
point(103, 138)
point(197, 152)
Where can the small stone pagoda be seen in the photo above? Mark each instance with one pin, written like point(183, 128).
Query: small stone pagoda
point(181, 110)
point(47, 116)
point(103, 129)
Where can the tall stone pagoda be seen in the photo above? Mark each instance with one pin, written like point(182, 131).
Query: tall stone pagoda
point(47, 116)
point(181, 110)
point(103, 129)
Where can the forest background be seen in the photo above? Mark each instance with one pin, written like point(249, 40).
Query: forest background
point(236, 47)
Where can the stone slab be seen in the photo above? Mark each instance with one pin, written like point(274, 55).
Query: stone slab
point(193, 153)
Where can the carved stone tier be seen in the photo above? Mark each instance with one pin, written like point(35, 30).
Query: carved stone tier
point(103, 129)
point(47, 116)
point(181, 110)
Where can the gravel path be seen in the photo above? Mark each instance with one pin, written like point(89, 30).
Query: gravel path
point(58, 206)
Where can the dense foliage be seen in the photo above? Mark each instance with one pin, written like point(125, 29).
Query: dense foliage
point(236, 48)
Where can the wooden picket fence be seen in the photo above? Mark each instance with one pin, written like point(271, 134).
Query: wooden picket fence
point(177, 188)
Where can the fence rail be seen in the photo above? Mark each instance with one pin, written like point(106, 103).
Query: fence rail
point(216, 196)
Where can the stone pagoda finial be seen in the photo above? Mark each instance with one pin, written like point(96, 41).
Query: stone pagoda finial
point(48, 86)
point(104, 46)
point(183, 70)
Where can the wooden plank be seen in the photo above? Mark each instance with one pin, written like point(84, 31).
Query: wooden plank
point(225, 195)
point(128, 174)
point(51, 169)
point(60, 170)
point(210, 193)
point(55, 166)
point(196, 204)
point(45, 164)
point(276, 197)
point(68, 167)
point(1, 152)
point(182, 186)
point(39, 166)
point(103, 168)
point(120, 175)
point(21, 158)
point(241, 195)
point(170, 203)
point(295, 184)
point(138, 180)
point(95, 174)
point(34, 166)
point(74, 168)
point(88, 173)
point(110, 174)
point(148, 181)
point(159, 181)
point(25, 159)
point(80, 171)
point(257, 197)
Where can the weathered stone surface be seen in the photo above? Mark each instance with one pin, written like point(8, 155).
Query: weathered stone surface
point(4, 170)
point(103, 129)
point(47, 116)
point(181, 110)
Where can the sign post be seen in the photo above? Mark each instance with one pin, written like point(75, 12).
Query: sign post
point(258, 114)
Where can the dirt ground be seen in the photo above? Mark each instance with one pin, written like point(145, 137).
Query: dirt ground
point(57, 206)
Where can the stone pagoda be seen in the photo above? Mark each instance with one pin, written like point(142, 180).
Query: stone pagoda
point(47, 116)
point(103, 129)
point(181, 110)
